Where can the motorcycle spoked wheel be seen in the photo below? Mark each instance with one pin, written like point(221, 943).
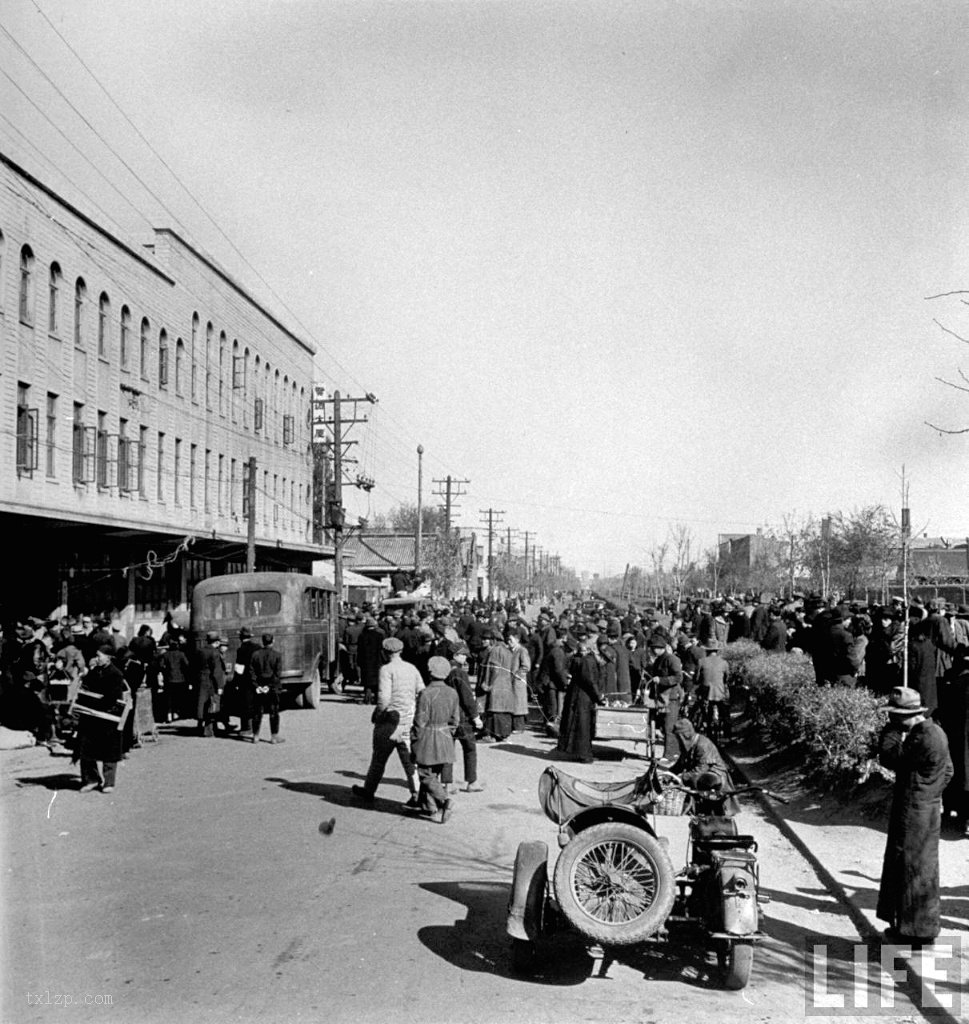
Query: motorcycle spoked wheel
point(736, 960)
point(615, 884)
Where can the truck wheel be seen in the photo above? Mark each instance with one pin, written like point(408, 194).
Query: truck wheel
point(736, 962)
point(311, 695)
point(615, 884)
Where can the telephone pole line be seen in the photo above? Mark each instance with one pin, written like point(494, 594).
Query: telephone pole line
point(329, 425)
point(493, 520)
point(528, 533)
point(451, 490)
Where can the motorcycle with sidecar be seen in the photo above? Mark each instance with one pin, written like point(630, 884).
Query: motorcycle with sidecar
point(614, 882)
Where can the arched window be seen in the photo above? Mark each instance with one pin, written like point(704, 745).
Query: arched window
point(163, 358)
point(234, 379)
point(145, 331)
point(222, 356)
point(125, 337)
point(53, 317)
point(193, 355)
point(179, 366)
point(104, 311)
point(26, 285)
point(208, 366)
point(80, 300)
point(276, 412)
point(245, 389)
point(257, 407)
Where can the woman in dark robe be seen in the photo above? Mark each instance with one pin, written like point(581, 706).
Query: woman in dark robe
point(915, 748)
point(584, 694)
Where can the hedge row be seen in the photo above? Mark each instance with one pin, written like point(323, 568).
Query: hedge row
point(836, 727)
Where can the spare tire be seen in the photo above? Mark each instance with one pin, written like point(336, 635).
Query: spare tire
point(615, 884)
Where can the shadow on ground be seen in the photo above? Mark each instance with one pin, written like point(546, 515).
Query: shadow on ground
point(342, 796)
point(62, 780)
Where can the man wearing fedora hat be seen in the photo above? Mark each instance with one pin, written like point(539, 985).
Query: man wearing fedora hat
point(711, 689)
point(915, 748)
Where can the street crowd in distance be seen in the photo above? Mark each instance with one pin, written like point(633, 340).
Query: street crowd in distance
point(79, 686)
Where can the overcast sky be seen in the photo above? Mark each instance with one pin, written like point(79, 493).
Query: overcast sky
point(619, 264)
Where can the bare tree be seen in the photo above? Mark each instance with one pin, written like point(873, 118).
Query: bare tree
point(681, 541)
point(964, 386)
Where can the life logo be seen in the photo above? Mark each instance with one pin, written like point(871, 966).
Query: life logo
point(881, 979)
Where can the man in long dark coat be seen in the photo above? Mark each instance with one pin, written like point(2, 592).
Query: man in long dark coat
point(370, 657)
point(955, 721)
point(584, 695)
point(99, 739)
point(915, 748)
point(211, 682)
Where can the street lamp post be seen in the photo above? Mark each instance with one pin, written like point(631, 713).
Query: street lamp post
point(420, 525)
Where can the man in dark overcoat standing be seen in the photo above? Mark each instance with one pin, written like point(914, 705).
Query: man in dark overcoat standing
point(100, 739)
point(915, 748)
point(211, 682)
point(584, 695)
point(370, 656)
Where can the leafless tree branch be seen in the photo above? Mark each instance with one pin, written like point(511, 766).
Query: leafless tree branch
point(949, 331)
point(944, 295)
point(950, 384)
point(942, 430)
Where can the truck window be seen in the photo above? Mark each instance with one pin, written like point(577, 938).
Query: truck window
point(220, 606)
point(314, 603)
point(260, 603)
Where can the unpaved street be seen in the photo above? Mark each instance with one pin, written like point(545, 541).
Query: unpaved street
point(203, 889)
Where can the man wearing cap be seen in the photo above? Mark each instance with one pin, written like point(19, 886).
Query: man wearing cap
point(211, 682)
point(666, 679)
point(915, 748)
point(553, 681)
point(496, 681)
point(266, 675)
point(398, 685)
point(470, 721)
point(700, 757)
point(238, 698)
point(436, 719)
point(584, 695)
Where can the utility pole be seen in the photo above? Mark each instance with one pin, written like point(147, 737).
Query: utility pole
point(420, 514)
point(451, 490)
point(329, 419)
point(906, 532)
point(251, 516)
point(528, 533)
point(493, 520)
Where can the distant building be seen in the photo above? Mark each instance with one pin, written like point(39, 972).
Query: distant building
point(938, 561)
point(742, 551)
point(378, 554)
point(135, 384)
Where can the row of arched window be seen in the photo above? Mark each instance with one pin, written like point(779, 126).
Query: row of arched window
point(234, 381)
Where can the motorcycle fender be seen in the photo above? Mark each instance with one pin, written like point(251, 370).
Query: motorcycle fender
point(738, 894)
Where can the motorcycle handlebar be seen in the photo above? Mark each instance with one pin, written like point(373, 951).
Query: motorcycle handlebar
point(706, 794)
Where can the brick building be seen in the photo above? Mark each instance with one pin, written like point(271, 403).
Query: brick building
point(135, 385)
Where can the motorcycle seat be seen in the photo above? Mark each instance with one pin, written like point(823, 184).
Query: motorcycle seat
point(562, 796)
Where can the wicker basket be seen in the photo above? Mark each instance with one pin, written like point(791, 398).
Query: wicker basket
point(672, 802)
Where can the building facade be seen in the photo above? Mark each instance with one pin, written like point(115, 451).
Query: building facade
point(136, 384)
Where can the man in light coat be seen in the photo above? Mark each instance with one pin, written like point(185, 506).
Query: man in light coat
point(398, 685)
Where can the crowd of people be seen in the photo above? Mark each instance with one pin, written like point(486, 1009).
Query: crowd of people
point(78, 684)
